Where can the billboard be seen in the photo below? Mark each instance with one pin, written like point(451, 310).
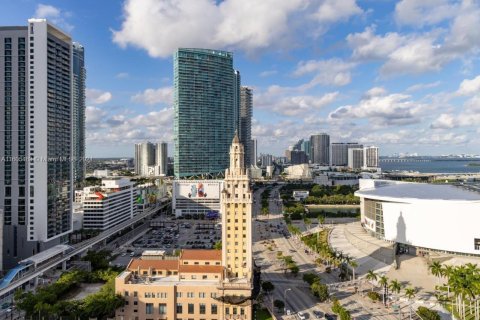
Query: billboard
point(198, 189)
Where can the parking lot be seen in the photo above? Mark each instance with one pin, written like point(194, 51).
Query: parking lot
point(172, 235)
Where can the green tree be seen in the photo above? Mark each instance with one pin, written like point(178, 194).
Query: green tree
point(354, 265)
point(321, 219)
point(371, 276)
point(267, 286)
point(395, 286)
point(410, 293)
point(307, 222)
point(294, 269)
point(436, 269)
point(383, 282)
point(98, 259)
point(279, 304)
point(218, 245)
point(320, 291)
point(310, 278)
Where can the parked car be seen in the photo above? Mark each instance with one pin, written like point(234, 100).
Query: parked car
point(318, 314)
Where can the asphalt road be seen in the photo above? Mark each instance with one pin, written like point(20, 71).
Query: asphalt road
point(296, 294)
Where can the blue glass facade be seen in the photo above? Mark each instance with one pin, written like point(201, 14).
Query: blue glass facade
point(206, 103)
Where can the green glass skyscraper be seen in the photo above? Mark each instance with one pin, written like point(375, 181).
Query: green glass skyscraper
point(206, 111)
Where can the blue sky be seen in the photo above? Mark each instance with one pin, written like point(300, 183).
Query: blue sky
point(403, 75)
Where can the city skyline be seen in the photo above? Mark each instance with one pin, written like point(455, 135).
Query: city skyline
point(320, 76)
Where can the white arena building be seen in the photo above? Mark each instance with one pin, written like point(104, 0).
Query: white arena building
point(422, 217)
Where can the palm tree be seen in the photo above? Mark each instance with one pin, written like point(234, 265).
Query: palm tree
point(321, 219)
point(436, 269)
point(383, 281)
point(371, 276)
point(447, 271)
point(354, 265)
point(395, 286)
point(410, 294)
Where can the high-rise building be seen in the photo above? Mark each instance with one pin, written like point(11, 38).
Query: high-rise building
point(36, 176)
point(339, 153)
point(298, 145)
point(161, 156)
point(78, 124)
point(266, 160)
point(370, 157)
point(306, 147)
point(320, 149)
point(144, 157)
point(206, 103)
point(237, 81)
point(298, 157)
point(253, 152)
point(355, 158)
point(245, 128)
point(151, 159)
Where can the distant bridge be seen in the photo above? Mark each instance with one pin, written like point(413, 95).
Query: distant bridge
point(404, 160)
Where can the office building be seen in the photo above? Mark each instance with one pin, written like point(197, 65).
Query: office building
point(151, 159)
point(161, 159)
point(144, 157)
point(78, 123)
point(253, 152)
point(370, 157)
point(266, 160)
point(339, 153)
point(109, 205)
point(206, 103)
point(196, 197)
point(422, 218)
point(298, 157)
point(355, 158)
point(297, 146)
point(306, 147)
point(36, 129)
point(320, 149)
point(200, 284)
point(245, 128)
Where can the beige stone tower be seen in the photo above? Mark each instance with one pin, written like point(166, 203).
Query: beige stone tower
point(236, 209)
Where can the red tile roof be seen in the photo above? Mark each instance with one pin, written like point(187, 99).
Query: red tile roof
point(192, 254)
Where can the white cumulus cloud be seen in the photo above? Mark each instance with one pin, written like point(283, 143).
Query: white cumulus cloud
point(95, 96)
point(424, 12)
point(469, 87)
point(54, 14)
point(162, 26)
point(155, 96)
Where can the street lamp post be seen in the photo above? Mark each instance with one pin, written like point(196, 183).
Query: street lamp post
point(285, 300)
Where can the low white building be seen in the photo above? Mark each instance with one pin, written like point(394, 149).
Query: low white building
point(299, 195)
point(255, 172)
point(107, 205)
point(299, 171)
point(102, 173)
point(194, 197)
point(422, 217)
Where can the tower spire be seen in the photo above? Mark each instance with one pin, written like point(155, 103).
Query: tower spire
point(235, 137)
